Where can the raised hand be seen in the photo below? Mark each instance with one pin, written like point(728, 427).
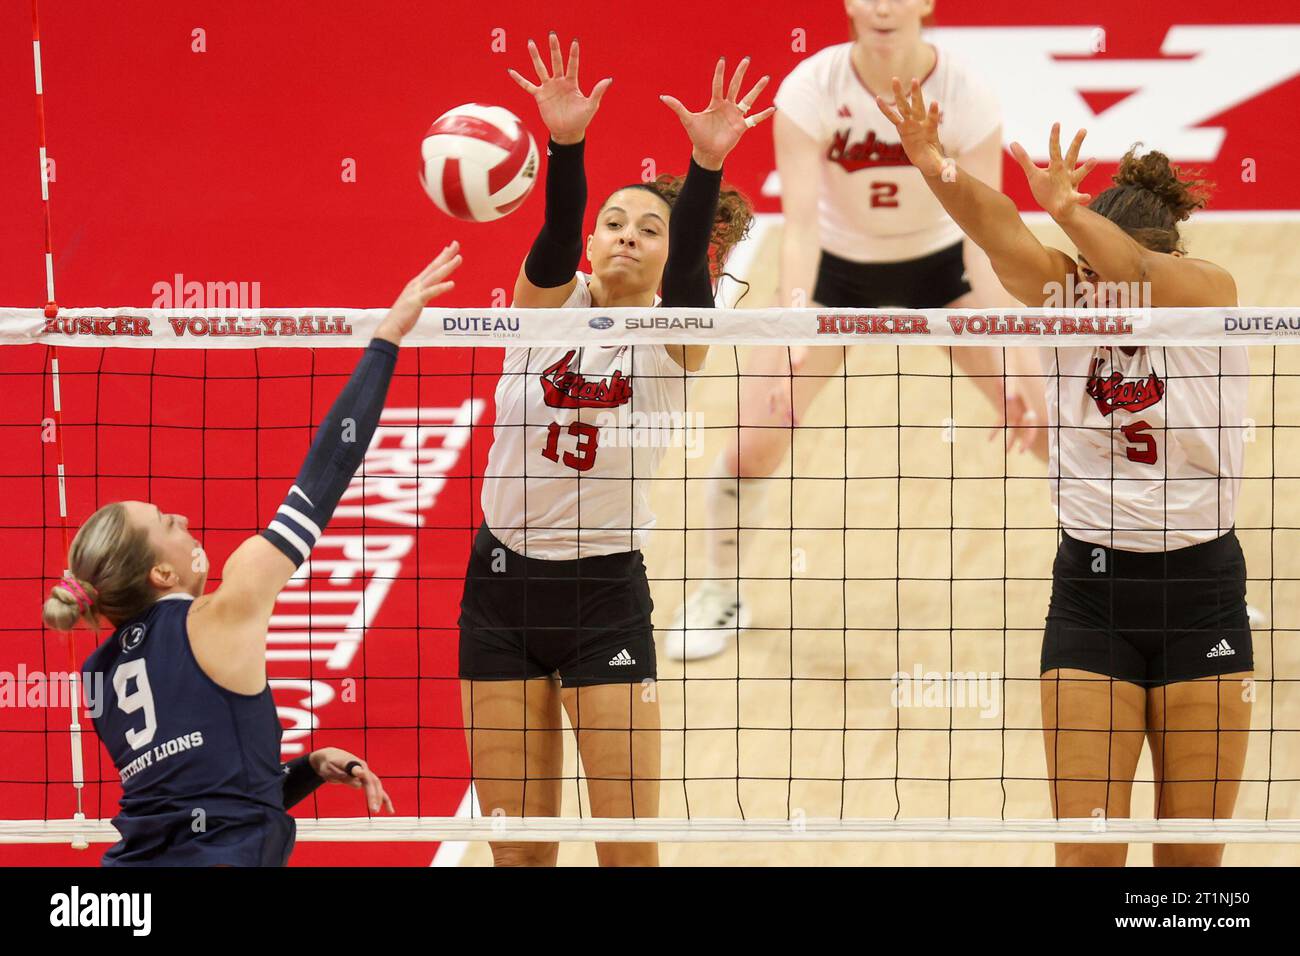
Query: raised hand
point(563, 108)
point(1023, 418)
point(1056, 188)
point(918, 128)
point(716, 130)
point(432, 282)
point(331, 765)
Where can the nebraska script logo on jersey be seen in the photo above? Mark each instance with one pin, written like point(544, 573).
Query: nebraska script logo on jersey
point(869, 153)
point(564, 388)
point(1114, 392)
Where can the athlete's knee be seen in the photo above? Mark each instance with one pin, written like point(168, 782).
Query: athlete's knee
point(1187, 854)
point(1091, 854)
point(750, 453)
point(525, 854)
point(627, 854)
point(759, 451)
point(766, 401)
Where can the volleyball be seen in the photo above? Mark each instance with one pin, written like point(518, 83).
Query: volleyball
point(479, 162)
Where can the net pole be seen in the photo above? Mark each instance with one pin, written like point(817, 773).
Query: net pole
point(51, 310)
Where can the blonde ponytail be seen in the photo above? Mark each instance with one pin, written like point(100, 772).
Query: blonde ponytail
point(107, 576)
point(70, 601)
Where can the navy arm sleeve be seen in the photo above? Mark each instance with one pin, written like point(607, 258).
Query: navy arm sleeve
point(557, 250)
point(686, 282)
point(300, 781)
point(336, 454)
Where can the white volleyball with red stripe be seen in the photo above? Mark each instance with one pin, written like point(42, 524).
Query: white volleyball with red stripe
point(480, 162)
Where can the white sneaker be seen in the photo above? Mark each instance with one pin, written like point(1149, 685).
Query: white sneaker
point(712, 616)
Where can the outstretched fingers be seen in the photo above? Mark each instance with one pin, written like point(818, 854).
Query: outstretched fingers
point(436, 272)
point(443, 270)
point(674, 104)
point(733, 91)
point(748, 102)
point(1082, 172)
point(443, 257)
point(530, 88)
point(918, 99)
point(538, 64)
point(363, 778)
point(891, 114)
point(910, 103)
point(437, 284)
point(572, 71)
point(439, 289)
point(1072, 154)
point(598, 92)
point(557, 58)
point(1020, 156)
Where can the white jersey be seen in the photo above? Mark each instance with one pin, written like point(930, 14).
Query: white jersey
point(579, 435)
point(875, 206)
point(1150, 453)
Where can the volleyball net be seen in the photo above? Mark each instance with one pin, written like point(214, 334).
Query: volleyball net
point(897, 570)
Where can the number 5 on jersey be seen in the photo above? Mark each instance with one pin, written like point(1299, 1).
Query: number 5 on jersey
point(1142, 446)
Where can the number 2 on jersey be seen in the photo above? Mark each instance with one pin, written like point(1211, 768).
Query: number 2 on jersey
point(884, 194)
point(583, 457)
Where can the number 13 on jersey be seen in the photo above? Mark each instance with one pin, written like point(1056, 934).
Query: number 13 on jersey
point(583, 456)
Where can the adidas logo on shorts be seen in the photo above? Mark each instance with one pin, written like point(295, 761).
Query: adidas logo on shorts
point(1221, 649)
point(622, 659)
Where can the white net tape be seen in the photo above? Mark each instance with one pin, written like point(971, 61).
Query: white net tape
point(344, 328)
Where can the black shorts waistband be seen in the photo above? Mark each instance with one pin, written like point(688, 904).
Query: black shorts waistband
point(1193, 560)
point(843, 266)
point(613, 565)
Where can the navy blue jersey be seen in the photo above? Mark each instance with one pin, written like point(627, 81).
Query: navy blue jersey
point(199, 764)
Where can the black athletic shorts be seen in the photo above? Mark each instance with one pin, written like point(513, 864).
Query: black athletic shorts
point(930, 282)
point(1149, 618)
point(586, 620)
